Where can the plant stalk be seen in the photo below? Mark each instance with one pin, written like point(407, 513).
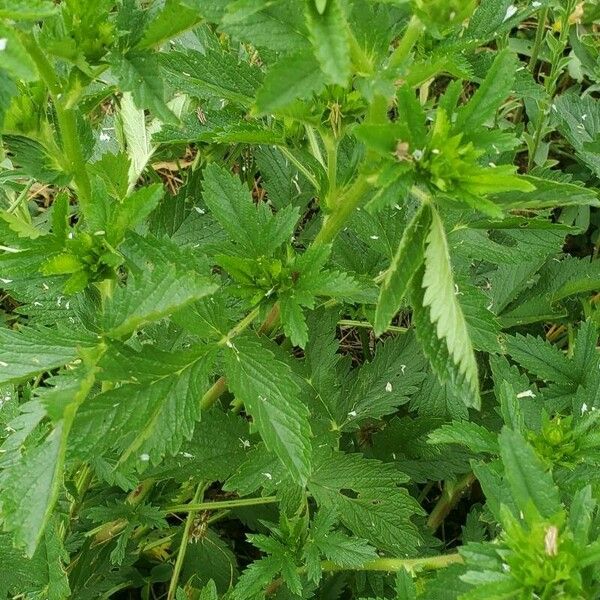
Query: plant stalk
point(450, 497)
point(67, 121)
point(189, 521)
point(221, 504)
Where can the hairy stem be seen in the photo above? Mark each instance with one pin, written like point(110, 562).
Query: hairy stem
point(189, 521)
point(411, 36)
point(387, 565)
point(450, 497)
point(67, 121)
point(106, 532)
point(221, 504)
point(344, 207)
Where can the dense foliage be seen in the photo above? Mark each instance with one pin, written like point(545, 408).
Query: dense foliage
point(299, 298)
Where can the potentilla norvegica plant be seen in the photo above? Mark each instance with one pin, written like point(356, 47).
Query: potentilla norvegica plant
point(299, 299)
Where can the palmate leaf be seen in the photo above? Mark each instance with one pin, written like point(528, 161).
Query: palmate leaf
point(271, 394)
point(441, 325)
point(255, 229)
point(406, 261)
point(380, 386)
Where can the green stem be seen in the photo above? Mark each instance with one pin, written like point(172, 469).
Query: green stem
point(240, 327)
point(298, 164)
point(214, 393)
point(411, 36)
point(393, 565)
point(367, 325)
point(386, 565)
point(551, 82)
point(539, 38)
point(189, 521)
point(222, 504)
point(332, 150)
point(450, 497)
point(345, 206)
point(67, 121)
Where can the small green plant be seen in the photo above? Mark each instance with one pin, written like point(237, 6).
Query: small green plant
point(299, 299)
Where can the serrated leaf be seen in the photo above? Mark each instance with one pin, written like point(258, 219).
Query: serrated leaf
point(406, 261)
point(254, 228)
point(271, 395)
point(29, 488)
point(175, 17)
point(441, 324)
point(540, 358)
point(293, 320)
point(329, 36)
point(27, 352)
point(465, 433)
point(292, 78)
point(152, 296)
point(531, 485)
point(579, 121)
point(376, 509)
point(388, 381)
point(215, 73)
point(144, 421)
point(139, 74)
point(493, 90)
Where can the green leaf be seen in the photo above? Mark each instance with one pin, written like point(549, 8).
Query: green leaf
point(215, 73)
point(151, 296)
point(271, 395)
point(579, 121)
point(547, 194)
point(26, 10)
point(28, 352)
point(540, 358)
point(293, 321)
point(441, 324)
point(365, 495)
point(388, 381)
point(30, 489)
point(494, 89)
point(175, 17)
point(139, 74)
point(466, 433)
point(150, 417)
point(255, 228)
point(329, 36)
point(15, 58)
point(531, 485)
point(131, 211)
point(8, 89)
point(407, 259)
point(292, 78)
